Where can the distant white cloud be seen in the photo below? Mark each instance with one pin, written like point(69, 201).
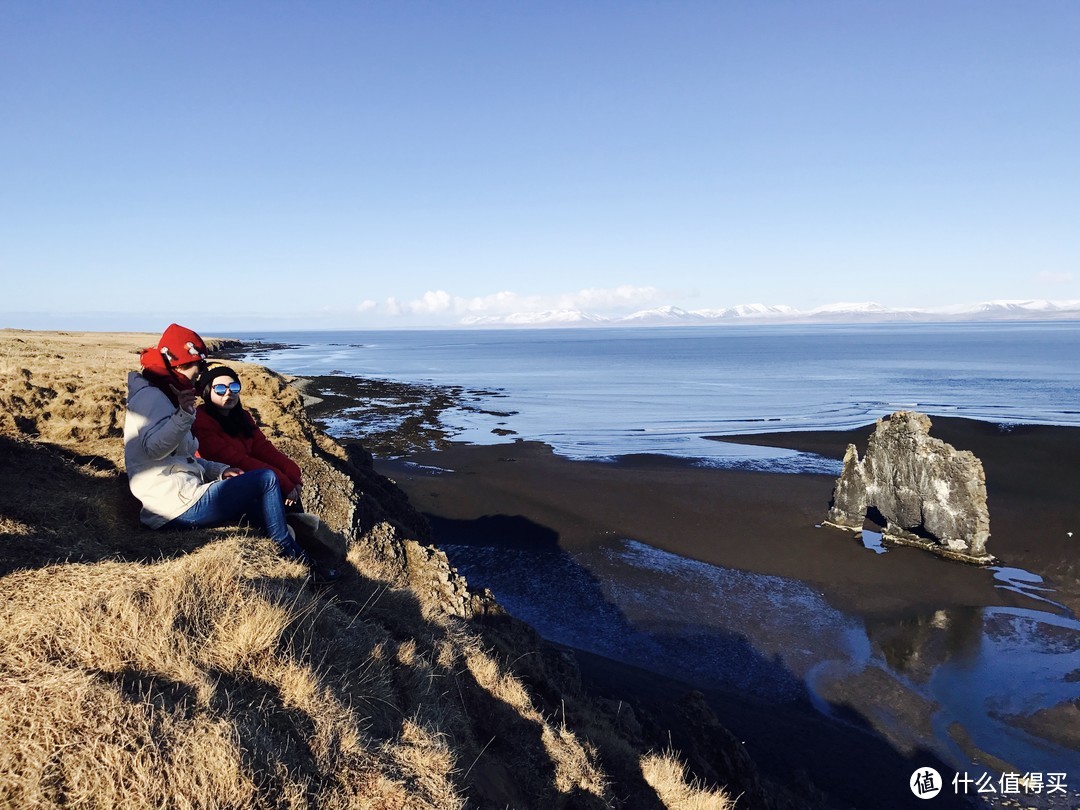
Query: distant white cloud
point(433, 302)
point(499, 303)
point(505, 302)
point(599, 298)
point(367, 305)
point(1047, 277)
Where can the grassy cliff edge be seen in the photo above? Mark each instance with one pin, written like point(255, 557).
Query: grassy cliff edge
point(199, 669)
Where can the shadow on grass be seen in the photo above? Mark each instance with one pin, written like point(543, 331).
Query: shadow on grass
point(369, 644)
point(502, 757)
point(56, 506)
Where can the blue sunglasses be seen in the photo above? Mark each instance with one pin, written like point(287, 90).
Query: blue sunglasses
point(221, 388)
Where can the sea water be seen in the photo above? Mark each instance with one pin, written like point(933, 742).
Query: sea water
point(601, 393)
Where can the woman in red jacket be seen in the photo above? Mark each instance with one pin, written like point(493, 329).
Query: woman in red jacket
point(228, 433)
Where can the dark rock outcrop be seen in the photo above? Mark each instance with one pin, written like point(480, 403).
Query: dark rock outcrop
point(928, 493)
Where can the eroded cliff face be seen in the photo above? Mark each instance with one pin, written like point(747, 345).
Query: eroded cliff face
point(373, 516)
point(929, 494)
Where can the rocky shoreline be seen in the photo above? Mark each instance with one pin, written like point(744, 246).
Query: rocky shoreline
point(389, 418)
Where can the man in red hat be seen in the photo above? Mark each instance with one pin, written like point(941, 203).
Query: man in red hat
point(176, 488)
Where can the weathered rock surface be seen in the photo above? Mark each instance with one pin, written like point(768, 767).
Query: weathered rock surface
point(928, 493)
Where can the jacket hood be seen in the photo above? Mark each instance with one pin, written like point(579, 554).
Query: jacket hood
point(136, 383)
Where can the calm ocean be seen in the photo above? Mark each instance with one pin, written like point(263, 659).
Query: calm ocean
point(595, 393)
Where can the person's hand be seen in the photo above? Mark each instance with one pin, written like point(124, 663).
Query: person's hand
point(185, 399)
point(232, 472)
point(292, 496)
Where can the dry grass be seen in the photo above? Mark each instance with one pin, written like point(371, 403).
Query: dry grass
point(668, 777)
point(199, 669)
point(191, 682)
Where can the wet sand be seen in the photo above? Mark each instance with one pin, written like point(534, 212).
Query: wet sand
point(768, 522)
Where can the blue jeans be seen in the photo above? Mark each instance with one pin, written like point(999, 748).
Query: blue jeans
point(254, 495)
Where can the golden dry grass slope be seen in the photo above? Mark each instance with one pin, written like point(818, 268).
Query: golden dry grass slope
point(200, 669)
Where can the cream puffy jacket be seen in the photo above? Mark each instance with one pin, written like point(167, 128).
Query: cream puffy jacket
point(159, 453)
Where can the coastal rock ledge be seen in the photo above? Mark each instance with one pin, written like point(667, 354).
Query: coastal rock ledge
point(923, 491)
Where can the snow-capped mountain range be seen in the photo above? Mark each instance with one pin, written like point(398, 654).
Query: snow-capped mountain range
point(865, 312)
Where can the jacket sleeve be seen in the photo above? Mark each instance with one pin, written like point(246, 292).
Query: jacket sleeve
point(160, 426)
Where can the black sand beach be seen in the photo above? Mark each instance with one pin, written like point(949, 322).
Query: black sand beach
point(1032, 480)
point(768, 522)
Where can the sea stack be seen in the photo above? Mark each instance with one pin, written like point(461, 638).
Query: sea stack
point(927, 493)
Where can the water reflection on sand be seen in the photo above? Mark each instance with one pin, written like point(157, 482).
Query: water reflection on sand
point(954, 681)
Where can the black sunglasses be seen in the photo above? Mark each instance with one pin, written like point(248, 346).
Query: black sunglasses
point(221, 388)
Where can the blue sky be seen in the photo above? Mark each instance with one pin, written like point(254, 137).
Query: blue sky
point(406, 163)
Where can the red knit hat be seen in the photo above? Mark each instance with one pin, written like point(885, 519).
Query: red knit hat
point(178, 347)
